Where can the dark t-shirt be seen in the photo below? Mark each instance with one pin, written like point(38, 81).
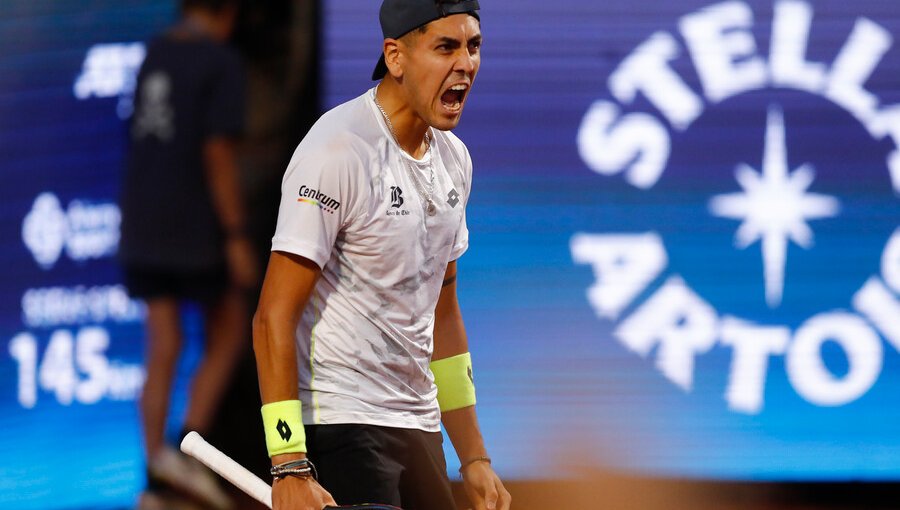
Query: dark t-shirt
point(189, 89)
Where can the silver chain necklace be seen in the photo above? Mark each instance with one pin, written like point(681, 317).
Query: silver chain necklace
point(427, 194)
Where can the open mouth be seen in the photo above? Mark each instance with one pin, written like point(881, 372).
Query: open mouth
point(452, 98)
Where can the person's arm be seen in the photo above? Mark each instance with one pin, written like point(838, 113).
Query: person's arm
point(288, 283)
point(220, 164)
point(482, 485)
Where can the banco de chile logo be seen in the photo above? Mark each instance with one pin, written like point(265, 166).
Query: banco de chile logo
point(396, 197)
point(769, 176)
point(396, 203)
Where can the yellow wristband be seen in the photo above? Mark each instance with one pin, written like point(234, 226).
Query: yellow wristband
point(454, 381)
point(284, 427)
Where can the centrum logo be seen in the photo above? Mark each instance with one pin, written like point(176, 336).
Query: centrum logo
point(767, 179)
point(315, 197)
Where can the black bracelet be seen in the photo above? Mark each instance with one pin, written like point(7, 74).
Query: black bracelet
point(473, 460)
point(302, 468)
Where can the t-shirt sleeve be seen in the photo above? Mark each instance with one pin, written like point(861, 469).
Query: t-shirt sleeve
point(225, 106)
point(461, 242)
point(317, 200)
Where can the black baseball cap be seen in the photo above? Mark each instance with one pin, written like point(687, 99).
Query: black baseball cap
point(399, 17)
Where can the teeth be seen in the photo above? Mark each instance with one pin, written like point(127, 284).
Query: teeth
point(459, 87)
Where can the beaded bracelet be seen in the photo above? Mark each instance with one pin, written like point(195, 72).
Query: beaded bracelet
point(480, 458)
point(302, 468)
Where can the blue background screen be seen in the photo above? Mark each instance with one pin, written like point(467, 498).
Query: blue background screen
point(616, 319)
point(684, 257)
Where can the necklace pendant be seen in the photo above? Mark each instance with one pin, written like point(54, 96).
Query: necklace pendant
point(431, 209)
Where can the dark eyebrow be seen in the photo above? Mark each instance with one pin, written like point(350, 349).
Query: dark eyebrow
point(448, 41)
point(454, 43)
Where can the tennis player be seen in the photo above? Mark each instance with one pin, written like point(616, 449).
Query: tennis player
point(359, 301)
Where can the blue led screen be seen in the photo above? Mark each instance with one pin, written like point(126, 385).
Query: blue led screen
point(71, 340)
point(683, 258)
point(684, 250)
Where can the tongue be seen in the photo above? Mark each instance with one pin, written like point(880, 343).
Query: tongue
point(450, 97)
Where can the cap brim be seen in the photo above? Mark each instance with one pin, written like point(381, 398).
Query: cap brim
point(380, 69)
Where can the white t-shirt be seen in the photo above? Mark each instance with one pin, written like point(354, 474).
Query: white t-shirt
point(349, 203)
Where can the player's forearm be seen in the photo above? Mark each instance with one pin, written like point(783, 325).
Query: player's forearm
point(449, 336)
point(450, 340)
point(461, 424)
point(275, 350)
point(462, 428)
point(286, 289)
point(222, 178)
point(449, 330)
point(276, 364)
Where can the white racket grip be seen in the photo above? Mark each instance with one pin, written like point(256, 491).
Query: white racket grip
point(197, 447)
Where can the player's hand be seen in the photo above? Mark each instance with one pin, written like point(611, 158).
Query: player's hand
point(484, 488)
point(293, 493)
point(241, 259)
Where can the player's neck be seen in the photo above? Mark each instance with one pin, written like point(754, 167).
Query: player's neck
point(409, 128)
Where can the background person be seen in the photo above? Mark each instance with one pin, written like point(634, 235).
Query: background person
point(183, 232)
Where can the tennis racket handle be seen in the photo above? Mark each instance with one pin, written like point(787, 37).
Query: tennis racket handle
point(197, 447)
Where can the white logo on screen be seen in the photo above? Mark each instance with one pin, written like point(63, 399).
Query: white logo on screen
point(675, 322)
point(110, 70)
point(85, 231)
point(74, 367)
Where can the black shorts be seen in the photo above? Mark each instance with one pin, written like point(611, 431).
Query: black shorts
point(371, 464)
point(205, 287)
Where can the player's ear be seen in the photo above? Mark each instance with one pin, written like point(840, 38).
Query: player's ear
point(393, 57)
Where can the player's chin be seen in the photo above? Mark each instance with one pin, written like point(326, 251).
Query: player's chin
point(445, 125)
point(446, 119)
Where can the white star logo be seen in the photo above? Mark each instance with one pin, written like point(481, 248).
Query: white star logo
point(774, 206)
